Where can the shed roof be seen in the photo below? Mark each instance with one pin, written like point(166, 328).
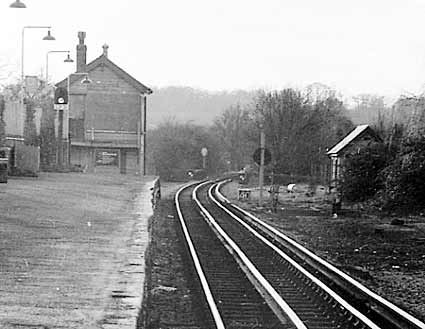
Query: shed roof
point(350, 138)
point(103, 60)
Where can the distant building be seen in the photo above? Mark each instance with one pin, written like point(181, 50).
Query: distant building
point(359, 137)
point(106, 116)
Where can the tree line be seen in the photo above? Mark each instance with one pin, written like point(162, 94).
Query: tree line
point(298, 127)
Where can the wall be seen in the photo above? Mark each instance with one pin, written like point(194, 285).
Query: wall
point(24, 159)
point(27, 158)
point(110, 103)
point(80, 156)
point(132, 167)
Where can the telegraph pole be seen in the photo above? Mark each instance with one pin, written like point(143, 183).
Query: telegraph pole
point(261, 173)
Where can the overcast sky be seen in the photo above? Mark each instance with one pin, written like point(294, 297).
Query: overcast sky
point(362, 46)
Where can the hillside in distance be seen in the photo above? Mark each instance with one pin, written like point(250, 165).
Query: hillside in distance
point(186, 104)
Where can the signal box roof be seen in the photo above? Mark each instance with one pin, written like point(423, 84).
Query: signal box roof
point(353, 136)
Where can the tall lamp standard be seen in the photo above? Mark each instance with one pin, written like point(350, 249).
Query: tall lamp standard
point(47, 37)
point(68, 59)
point(17, 4)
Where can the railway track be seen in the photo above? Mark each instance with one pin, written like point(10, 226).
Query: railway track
point(253, 276)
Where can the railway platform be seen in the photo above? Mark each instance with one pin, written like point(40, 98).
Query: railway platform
point(72, 250)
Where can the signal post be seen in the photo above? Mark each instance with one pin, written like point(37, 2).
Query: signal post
point(60, 105)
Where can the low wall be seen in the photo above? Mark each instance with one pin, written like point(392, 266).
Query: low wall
point(23, 159)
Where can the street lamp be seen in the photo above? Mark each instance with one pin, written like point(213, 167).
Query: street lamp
point(47, 37)
point(17, 4)
point(68, 59)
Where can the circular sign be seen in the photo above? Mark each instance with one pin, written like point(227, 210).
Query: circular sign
point(267, 156)
point(204, 151)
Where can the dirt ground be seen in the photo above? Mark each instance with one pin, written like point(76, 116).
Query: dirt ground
point(169, 301)
point(69, 249)
point(388, 259)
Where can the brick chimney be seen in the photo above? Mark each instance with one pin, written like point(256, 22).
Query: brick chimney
point(105, 50)
point(81, 53)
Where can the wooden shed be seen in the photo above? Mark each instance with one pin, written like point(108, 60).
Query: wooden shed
point(359, 137)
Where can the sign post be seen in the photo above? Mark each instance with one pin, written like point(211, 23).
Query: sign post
point(60, 105)
point(204, 153)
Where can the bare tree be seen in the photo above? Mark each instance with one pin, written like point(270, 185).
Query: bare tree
point(233, 128)
point(298, 131)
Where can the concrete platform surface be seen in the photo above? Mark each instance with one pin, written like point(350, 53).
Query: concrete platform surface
point(72, 250)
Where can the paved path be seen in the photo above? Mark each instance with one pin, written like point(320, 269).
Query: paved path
point(72, 250)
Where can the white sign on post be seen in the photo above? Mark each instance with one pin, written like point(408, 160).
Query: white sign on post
point(204, 151)
point(60, 107)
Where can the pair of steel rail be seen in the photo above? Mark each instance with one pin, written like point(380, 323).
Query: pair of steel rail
point(335, 299)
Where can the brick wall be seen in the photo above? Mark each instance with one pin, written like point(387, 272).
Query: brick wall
point(27, 158)
point(80, 156)
point(110, 103)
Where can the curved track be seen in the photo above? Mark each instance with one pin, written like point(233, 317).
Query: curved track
point(253, 276)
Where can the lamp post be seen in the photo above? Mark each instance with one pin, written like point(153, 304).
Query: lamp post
point(47, 37)
point(17, 4)
point(68, 59)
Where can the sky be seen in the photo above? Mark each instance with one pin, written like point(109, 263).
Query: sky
point(362, 46)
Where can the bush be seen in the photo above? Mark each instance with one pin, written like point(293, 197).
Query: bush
point(361, 177)
point(405, 178)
